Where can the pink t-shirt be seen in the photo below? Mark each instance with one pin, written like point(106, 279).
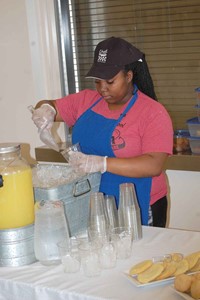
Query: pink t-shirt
point(147, 127)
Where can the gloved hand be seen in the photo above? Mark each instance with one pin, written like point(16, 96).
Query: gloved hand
point(44, 116)
point(87, 163)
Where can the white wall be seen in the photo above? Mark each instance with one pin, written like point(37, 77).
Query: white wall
point(29, 71)
point(184, 195)
point(16, 78)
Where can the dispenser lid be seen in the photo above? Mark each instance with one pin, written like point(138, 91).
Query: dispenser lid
point(197, 90)
point(181, 133)
point(9, 147)
point(193, 121)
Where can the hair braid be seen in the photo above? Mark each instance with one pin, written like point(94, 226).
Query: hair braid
point(142, 77)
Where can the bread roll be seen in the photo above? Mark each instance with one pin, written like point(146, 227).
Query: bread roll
point(195, 289)
point(196, 276)
point(182, 283)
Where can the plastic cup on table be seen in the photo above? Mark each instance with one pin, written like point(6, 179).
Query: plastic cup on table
point(89, 252)
point(107, 251)
point(122, 238)
point(70, 256)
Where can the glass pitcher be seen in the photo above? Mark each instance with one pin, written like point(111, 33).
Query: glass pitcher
point(16, 188)
point(50, 228)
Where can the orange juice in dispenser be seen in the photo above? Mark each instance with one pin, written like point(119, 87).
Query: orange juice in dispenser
point(16, 189)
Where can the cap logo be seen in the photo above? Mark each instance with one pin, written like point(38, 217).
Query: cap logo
point(102, 56)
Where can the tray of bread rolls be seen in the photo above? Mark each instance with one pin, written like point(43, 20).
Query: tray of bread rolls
point(163, 269)
point(187, 286)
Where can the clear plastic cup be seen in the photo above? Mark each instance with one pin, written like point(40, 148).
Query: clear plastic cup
point(129, 210)
point(73, 148)
point(90, 262)
point(98, 217)
point(111, 210)
point(107, 251)
point(122, 237)
point(108, 255)
point(70, 256)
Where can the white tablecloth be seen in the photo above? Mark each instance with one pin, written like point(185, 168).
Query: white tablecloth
point(37, 282)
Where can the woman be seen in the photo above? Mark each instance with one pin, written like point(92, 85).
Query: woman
point(123, 132)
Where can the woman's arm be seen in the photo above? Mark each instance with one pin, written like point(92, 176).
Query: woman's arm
point(146, 165)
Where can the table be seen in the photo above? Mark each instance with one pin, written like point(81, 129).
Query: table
point(38, 282)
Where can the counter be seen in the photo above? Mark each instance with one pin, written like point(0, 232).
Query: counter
point(183, 162)
point(178, 161)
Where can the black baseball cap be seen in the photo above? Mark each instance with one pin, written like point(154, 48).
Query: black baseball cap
point(110, 57)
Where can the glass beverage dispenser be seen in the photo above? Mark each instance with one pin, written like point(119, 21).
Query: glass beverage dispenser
point(16, 189)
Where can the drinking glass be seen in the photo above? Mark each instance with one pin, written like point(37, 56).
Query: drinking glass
point(111, 210)
point(50, 228)
point(107, 251)
point(97, 236)
point(129, 210)
point(89, 252)
point(69, 253)
point(108, 255)
point(122, 238)
point(98, 217)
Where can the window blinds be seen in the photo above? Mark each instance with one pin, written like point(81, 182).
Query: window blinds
point(167, 31)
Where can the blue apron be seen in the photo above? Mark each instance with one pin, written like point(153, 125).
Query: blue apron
point(94, 133)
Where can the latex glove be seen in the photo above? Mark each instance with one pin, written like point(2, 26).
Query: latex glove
point(44, 116)
point(87, 163)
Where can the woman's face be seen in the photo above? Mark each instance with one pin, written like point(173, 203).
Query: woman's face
point(116, 91)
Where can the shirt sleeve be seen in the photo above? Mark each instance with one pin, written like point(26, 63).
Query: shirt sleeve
point(72, 106)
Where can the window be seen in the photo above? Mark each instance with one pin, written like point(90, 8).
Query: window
point(167, 31)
